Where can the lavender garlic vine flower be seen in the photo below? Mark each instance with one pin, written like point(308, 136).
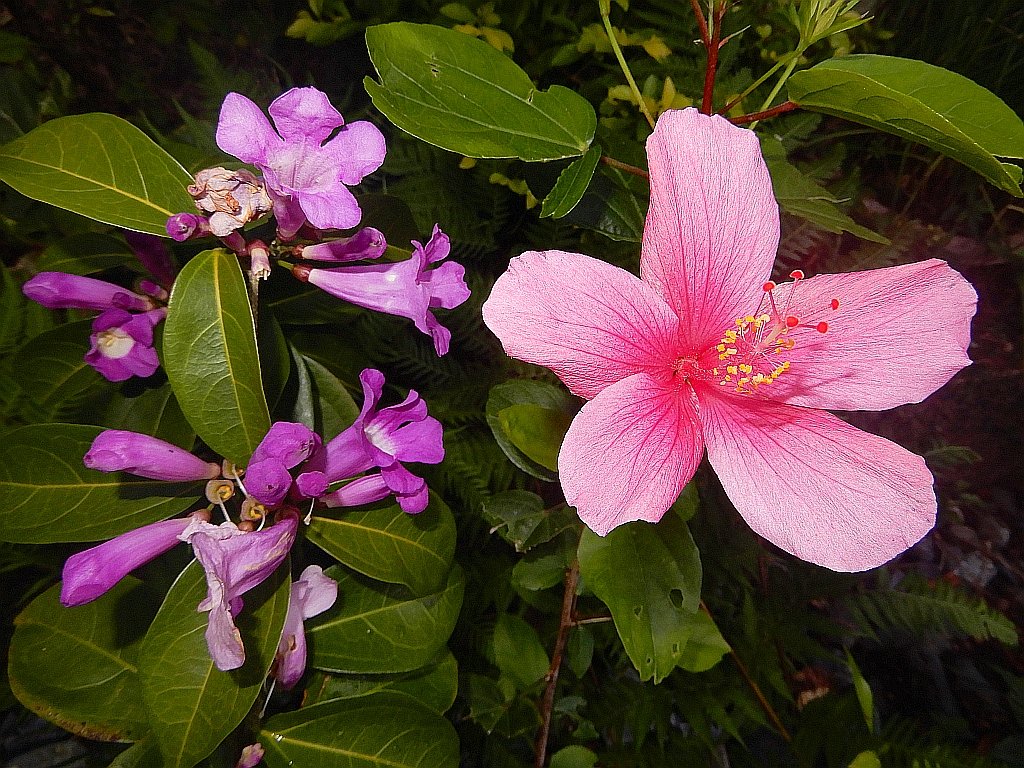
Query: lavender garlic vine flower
point(185, 226)
point(122, 344)
point(408, 288)
point(153, 253)
point(59, 290)
point(117, 450)
point(307, 175)
point(367, 243)
point(285, 445)
point(311, 594)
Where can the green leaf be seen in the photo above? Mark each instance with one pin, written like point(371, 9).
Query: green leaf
point(77, 667)
point(536, 431)
point(864, 696)
point(192, 705)
point(522, 392)
point(48, 495)
point(571, 185)
point(919, 102)
point(99, 166)
point(519, 517)
point(152, 411)
point(459, 93)
point(579, 651)
point(705, 646)
point(518, 651)
point(573, 756)
point(379, 731)
point(611, 207)
point(210, 356)
point(322, 402)
point(377, 628)
point(802, 196)
point(52, 369)
point(85, 253)
point(391, 545)
point(11, 303)
point(649, 576)
point(867, 759)
point(435, 685)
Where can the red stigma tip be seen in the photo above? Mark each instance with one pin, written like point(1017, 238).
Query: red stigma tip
point(822, 327)
point(797, 274)
point(792, 321)
point(835, 303)
point(769, 286)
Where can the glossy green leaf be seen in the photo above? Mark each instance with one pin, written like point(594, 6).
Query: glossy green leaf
point(77, 667)
point(435, 685)
point(385, 730)
point(99, 166)
point(151, 411)
point(705, 647)
point(378, 628)
point(459, 93)
point(518, 651)
point(322, 402)
point(523, 392)
point(649, 576)
point(919, 102)
point(863, 690)
point(192, 705)
point(274, 355)
point(612, 207)
point(85, 253)
point(389, 544)
point(210, 356)
point(536, 431)
point(571, 185)
point(52, 369)
point(803, 197)
point(520, 518)
point(48, 495)
point(141, 754)
point(497, 709)
point(544, 566)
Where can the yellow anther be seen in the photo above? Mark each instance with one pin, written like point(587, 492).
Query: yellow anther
point(732, 369)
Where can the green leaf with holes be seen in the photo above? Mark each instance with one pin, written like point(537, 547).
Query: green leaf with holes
point(99, 166)
point(210, 355)
point(456, 92)
point(649, 576)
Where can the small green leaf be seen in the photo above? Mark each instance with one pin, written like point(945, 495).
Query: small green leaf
point(385, 730)
point(919, 102)
point(536, 431)
point(579, 651)
point(391, 545)
point(192, 705)
point(534, 393)
point(867, 759)
point(518, 651)
point(573, 756)
point(85, 253)
point(99, 695)
point(99, 166)
point(705, 646)
point(377, 628)
point(863, 691)
point(322, 402)
point(649, 576)
point(48, 495)
point(210, 356)
point(611, 207)
point(519, 517)
point(459, 93)
point(571, 185)
point(435, 685)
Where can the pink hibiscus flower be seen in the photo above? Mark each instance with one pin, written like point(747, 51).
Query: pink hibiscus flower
point(704, 351)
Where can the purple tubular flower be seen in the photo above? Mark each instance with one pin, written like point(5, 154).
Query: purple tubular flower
point(185, 226)
point(122, 344)
point(305, 174)
point(367, 243)
point(381, 438)
point(312, 594)
point(116, 450)
point(285, 445)
point(407, 288)
point(235, 562)
point(59, 290)
point(90, 573)
point(153, 254)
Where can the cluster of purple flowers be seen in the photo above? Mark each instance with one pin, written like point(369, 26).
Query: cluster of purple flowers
point(290, 467)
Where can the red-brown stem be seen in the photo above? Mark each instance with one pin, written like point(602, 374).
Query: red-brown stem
point(618, 164)
point(699, 13)
point(781, 109)
point(713, 45)
point(572, 577)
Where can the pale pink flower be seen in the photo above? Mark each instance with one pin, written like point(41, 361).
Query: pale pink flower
point(703, 351)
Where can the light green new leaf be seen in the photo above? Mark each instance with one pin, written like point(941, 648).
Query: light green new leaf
point(573, 756)
point(47, 494)
point(705, 646)
point(546, 397)
point(571, 185)
point(536, 431)
point(99, 695)
point(436, 685)
point(649, 576)
point(99, 166)
point(459, 93)
point(391, 545)
point(863, 690)
point(192, 705)
point(385, 730)
point(210, 356)
point(919, 102)
point(378, 628)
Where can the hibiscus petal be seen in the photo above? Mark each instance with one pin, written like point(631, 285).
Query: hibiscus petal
point(589, 322)
point(898, 335)
point(305, 113)
point(244, 131)
point(713, 225)
point(357, 150)
point(814, 485)
point(629, 452)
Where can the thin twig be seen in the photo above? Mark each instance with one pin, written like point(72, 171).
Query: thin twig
point(701, 23)
point(753, 117)
point(713, 45)
point(572, 577)
point(618, 164)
